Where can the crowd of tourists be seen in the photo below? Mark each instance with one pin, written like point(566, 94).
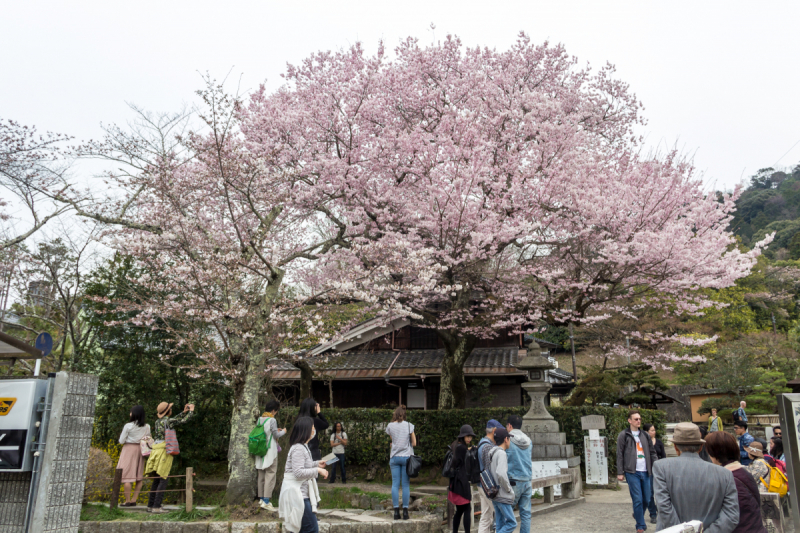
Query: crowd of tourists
point(716, 478)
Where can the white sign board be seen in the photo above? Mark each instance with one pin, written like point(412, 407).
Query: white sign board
point(596, 461)
point(546, 469)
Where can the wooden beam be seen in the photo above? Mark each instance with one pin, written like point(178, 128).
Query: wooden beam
point(28, 351)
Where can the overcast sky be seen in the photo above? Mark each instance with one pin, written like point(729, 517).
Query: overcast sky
point(719, 79)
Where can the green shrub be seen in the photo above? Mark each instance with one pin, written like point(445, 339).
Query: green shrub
point(436, 430)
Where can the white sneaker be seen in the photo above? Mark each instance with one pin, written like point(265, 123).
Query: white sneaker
point(268, 507)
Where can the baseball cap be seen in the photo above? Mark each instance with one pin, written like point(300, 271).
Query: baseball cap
point(500, 435)
point(494, 424)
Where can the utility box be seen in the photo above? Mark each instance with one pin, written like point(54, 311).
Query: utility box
point(20, 401)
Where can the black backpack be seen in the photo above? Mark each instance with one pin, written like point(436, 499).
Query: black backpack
point(736, 417)
point(473, 465)
point(447, 469)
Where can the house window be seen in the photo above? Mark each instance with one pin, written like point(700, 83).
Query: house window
point(415, 398)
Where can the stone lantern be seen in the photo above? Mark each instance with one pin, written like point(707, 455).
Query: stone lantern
point(548, 445)
point(536, 366)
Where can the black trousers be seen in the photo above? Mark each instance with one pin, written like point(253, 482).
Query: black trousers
point(156, 496)
point(461, 510)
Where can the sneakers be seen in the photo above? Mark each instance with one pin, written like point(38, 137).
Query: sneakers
point(267, 506)
point(158, 510)
point(653, 520)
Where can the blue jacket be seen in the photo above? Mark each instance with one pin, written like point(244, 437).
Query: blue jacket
point(520, 467)
point(745, 440)
point(742, 414)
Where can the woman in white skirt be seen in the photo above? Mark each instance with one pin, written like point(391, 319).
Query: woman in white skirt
point(131, 460)
point(299, 492)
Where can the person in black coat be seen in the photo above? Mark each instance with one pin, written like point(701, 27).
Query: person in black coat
point(310, 408)
point(460, 492)
point(658, 446)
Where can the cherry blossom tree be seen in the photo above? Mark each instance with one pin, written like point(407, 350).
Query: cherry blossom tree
point(31, 174)
point(214, 233)
point(478, 190)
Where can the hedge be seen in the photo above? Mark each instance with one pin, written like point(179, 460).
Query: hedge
point(435, 430)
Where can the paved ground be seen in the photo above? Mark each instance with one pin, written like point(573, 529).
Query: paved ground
point(605, 511)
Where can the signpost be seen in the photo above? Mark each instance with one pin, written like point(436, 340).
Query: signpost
point(595, 450)
point(44, 342)
point(789, 412)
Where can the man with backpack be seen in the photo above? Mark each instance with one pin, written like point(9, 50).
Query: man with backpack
point(484, 447)
point(520, 470)
point(745, 440)
point(504, 500)
point(740, 414)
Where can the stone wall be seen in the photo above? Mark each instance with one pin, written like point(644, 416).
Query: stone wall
point(14, 488)
point(66, 456)
point(428, 524)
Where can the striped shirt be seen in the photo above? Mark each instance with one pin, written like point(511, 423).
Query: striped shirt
point(302, 466)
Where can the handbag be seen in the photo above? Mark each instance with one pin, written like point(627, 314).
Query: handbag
point(171, 440)
point(146, 445)
point(414, 463)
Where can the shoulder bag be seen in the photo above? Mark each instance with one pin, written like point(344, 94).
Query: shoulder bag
point(414, 463)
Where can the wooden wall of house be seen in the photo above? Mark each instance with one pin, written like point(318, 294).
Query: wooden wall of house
point(416, 338)
point(348, 394)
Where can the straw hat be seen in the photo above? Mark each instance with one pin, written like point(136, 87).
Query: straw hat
point(163, 408)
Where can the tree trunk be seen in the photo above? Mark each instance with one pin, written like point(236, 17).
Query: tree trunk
point(453, 391)
point(241, 466)
point(306, 378)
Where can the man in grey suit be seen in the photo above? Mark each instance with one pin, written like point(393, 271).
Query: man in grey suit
point(688, 488)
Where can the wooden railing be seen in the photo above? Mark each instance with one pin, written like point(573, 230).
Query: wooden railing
point(188, 488)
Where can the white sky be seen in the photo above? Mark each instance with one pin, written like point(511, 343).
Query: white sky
point(720, 79)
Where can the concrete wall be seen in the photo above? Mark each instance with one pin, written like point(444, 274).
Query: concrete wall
point(696, 402)
point(14, 488)
point(63, 472)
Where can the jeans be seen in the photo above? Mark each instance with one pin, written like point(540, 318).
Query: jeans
point(399, 475)
point(522, 499)
point(309, 523)
point(156, 492)
point(652, 505)
point(504, 520)
point(340, 462)
point(639, 487)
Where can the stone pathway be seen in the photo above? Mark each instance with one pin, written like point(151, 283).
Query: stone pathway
point(605, 511)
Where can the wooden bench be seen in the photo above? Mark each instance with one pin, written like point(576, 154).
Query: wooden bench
point(548, 484)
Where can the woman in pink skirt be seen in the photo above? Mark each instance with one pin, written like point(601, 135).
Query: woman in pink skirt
point(131, 460)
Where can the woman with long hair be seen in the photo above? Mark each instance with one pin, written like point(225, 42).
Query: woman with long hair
point(310, 408)
point(723, 449)
point(338, 444)
point(403, 441)
point(131, 460)
point(459, 492)
point(650, 429)
point(299, 492)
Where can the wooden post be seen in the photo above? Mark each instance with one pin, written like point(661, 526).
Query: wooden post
point(189, 489)
point(115, 488)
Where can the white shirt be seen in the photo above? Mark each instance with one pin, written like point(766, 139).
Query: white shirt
point(339, 448)
point(132, 434)
point(641, 461)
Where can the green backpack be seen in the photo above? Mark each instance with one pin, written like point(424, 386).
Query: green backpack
point(257, 442)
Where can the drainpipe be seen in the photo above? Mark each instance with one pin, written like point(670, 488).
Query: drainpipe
point(386, 375)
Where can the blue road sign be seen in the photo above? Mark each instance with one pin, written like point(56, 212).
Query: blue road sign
point(44, 342)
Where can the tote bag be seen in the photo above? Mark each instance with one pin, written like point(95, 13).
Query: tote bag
point(171, 440)
point(414, 463)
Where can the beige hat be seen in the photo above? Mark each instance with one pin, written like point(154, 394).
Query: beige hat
point(688, 434)
point(756, 449)
point(163, 408)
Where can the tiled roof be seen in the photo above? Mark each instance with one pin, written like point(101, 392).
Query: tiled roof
point(408, 362)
